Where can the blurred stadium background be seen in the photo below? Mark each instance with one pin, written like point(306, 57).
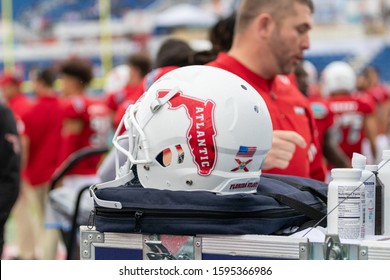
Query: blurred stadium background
point(36, 33)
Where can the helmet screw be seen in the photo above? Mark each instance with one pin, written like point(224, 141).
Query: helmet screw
point(189, 182)
point(155, 108)
point(146, 167)
point(155, 105)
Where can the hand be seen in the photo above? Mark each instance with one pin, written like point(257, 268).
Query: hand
point(284, 143)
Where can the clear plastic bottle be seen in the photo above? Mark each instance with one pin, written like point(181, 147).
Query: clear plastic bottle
point(384, 176)
point(344, 203)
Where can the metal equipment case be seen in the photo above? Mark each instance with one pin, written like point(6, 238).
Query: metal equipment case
point(96, 245)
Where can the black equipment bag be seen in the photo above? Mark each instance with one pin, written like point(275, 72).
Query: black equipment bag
point(280, 202)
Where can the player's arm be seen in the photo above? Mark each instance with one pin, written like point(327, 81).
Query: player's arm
point(283, 148)
point(25, 145)
point(332, 152)
point(384, 117)
point(371, 131)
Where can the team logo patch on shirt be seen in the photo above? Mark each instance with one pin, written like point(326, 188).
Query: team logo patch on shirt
point(319, 110)
point(245, 151)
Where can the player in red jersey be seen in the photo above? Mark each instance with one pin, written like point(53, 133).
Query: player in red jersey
point(86, 124)
point(369, 83)
point(324, 118)
point(43, 130)
point(86, 120)
point(381, 95)
point(41, 137)
point(269, 40)
point(307, 80)
point(354, 114)
point(139, 66)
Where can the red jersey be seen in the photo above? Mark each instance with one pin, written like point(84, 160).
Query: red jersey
point(293, 79)
point(20, 105)
point(348, 128)
point(323, 116)
point(43, 129)
point(95, 118)
point(380, 96)
point(379, 93)
point(115, 99)
point(289, 110)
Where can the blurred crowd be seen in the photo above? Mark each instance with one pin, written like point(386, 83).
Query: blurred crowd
point(351, 112)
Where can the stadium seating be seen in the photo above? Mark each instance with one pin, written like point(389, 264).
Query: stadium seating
point(57, 10)
point(321, 60)
point(382, 61)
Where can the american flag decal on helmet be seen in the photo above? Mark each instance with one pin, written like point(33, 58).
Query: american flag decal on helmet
point(245, 151)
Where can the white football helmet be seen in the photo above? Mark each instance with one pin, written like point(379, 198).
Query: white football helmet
point(312, 73)
point(197, 128)
point(338, 76)
point(117, 78)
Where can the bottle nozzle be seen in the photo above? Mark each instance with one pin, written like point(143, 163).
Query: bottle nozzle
point(358, 161)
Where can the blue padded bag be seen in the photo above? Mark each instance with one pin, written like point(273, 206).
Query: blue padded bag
point(280, 202)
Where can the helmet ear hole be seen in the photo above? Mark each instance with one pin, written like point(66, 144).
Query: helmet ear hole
point(180, 154)
point(167, 157)
point(164, 158)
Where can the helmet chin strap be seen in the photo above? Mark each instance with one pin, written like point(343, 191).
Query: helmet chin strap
point(110, 184)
